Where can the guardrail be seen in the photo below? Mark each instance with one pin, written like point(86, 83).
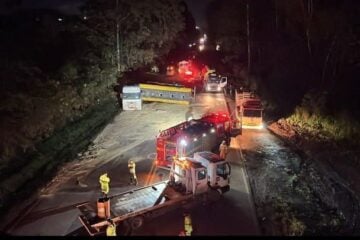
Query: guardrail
point(167, 94)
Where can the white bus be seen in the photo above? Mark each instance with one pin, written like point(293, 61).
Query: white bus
point(131, 98)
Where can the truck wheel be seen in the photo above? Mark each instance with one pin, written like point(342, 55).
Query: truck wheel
point(136, 222)
point(215, 195)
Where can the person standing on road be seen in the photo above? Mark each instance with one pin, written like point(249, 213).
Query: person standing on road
point(104, 183)
point(230, 89)
point(187, 225)
point(132, 171)
point(223, 149)
point(189, 115)
point(111, 229)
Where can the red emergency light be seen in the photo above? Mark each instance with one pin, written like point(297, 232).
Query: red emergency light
point(187, 72)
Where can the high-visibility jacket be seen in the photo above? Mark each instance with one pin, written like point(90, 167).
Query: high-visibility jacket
point(131, 166)
point(104, 182)
point(111, 230)
point(187, 225)
point(223, 150)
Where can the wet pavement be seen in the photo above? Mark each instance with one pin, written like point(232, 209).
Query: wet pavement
point(131, 135)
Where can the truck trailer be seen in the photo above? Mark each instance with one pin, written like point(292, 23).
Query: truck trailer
point(191, 181)
point(131, 97)
point(249, 110)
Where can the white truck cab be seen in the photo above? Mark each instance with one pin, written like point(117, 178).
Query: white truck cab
point(191, 175)
point(215, 82)
point(218, 170)
point(131, 98)
point(196, 175)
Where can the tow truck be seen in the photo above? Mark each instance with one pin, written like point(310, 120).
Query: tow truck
point(191, 181)
point(204, 134)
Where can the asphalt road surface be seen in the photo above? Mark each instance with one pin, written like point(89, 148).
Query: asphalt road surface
point(131, 135)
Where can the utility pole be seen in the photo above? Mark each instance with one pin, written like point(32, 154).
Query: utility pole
point(117, 36)
point(248, 37)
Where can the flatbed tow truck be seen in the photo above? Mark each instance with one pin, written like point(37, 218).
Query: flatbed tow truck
point(191, 181)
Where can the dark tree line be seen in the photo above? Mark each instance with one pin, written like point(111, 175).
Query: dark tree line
point(54, 67)
point(298, 48)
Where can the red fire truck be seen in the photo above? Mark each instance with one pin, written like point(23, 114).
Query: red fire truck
point(204, 134)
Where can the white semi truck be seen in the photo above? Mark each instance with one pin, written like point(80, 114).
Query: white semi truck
point(191, 180)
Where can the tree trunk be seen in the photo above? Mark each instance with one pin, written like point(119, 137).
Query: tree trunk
point(308, 24)
point(276, 16)
point(117, 37)
point(248, 37)
point(308, 13)
point(326, 62)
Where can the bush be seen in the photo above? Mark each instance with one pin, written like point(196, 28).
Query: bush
point(313, 116)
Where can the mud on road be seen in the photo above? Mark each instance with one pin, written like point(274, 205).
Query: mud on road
point(294, 193)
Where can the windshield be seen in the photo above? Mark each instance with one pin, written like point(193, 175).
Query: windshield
point(223, 170)
point(252, 113)
point(214, 80)
point(131, 95)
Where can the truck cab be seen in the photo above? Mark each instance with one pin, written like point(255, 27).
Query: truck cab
point(198, 175)
point(131, 98)
point(218, 170)
point(189, 176)
point(215, 83)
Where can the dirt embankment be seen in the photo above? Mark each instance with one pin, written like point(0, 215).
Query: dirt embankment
point(320, 196)
point(64, 144)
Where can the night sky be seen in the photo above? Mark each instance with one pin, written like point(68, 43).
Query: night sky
point(197, 7)
point(65, 6)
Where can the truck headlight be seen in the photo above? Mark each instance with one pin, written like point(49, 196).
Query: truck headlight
point(183, 142)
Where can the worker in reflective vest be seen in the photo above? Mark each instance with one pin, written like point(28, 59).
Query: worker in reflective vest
point(189, 115)
point(223, 149)
point(104, 183)
point(187, 225)
point(133, 178)
point(111, 229)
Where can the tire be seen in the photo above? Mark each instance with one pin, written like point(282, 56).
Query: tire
point(215, 195)
point(136, 222)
